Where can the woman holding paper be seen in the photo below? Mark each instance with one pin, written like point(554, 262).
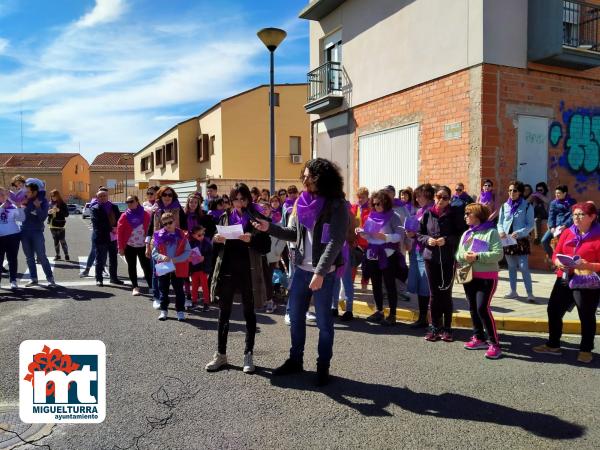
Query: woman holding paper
point(383, 231)
point(480, 246)
point(10, 234)
point(577, 257)
point(239, 248)
point(515, 222)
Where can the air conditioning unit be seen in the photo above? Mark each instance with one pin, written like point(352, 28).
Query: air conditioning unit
point(296, 159)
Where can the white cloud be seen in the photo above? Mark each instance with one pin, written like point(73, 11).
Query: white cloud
point(104, 11)
point(3, 45)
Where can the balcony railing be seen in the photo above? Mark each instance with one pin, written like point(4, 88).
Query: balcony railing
point(325, 80)
point(581, 25)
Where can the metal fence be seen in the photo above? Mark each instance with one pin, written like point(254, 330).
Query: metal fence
point(581, 25)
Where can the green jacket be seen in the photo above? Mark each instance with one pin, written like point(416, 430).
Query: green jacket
point(487, 261)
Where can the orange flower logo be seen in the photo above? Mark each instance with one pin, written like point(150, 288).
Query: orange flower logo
point(47, 361)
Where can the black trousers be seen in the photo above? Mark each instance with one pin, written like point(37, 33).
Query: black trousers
point(387, 276)
point(9, 246)
point(227, 285)
point(132, 255)
point(479, 294)
point(561, 300)
point(164, 283)
point(58, 236)
point(102, 251)
point(441, 279)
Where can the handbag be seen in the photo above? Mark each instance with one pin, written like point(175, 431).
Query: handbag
point(522, 247)
point(356, 256)
point(584, 279)
point(464, 274)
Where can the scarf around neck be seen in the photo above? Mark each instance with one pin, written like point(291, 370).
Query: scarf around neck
point(216, 213)
point(514, 205)
point(135, 217)
point(438, 211)
point(377, 220)
point(422, 210)
point(308, 209)
point(579, 238)
point(481, 227)
point(236, 218)
point(288, 205)
point(486, 197)
point(163, 237)
point(162, 208)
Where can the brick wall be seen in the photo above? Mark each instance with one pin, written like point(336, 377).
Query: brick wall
point(434, 104)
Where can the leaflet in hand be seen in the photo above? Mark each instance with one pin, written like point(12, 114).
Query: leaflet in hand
point(479, 246)
point(231, 231)
point(508, 241)
point(557, 231)
point(569, 261)
point(195, 256)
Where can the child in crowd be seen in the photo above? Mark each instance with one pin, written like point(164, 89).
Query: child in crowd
point(17, 194)
point(200, 265)
point(170, 245)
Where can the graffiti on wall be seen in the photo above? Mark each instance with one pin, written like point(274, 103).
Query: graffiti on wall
point(579, 132)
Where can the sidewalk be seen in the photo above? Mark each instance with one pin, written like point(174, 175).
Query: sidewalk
point(513, 315)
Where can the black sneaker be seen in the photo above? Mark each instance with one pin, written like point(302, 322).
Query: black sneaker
point(335, 312)
point(288, 367)
point(389, 321)
point(85, 273)
point(67, 258)
point(419, 323)
point(205, 308)
point(377, 316)
point(57, 258)
point(117, 282)
point(347, 316)
point(322, 376)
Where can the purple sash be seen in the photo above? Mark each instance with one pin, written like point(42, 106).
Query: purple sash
point(376, 221)
point(579, 239)
point(481, 227)
point(514, 205)
point(162, 237)
point(235, 218)
point(135, 217)
point(308, 208)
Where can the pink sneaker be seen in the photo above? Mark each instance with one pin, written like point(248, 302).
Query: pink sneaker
point(475, 344)
point(493, 352)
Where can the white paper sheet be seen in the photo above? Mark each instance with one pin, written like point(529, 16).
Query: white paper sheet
point(508, 240)
point(231, 231)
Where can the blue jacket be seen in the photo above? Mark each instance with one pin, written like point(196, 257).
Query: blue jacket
point(35, 217)
point(560, 214)
point(522, 221)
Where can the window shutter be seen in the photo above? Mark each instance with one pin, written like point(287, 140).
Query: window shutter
point(204, 152)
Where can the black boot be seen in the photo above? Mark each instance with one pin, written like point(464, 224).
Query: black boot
point(288, 367)
point(322, 375)
point(421, 322)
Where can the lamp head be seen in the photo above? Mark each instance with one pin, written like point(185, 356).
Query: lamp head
point(271, 37)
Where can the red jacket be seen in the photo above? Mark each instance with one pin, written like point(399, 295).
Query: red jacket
point(124, 230)
point(589, 250)
point(182, 269)
point(362, 215)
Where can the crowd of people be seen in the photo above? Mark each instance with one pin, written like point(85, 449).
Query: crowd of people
point(312, 242)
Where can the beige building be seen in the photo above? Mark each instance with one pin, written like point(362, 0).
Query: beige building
point(67, 172)
point(113, 170)
point(230, 142)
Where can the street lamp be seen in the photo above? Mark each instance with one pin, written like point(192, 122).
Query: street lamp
point(126, 158)
point(272, 37)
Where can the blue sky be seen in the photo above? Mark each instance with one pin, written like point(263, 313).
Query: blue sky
point(110, 75)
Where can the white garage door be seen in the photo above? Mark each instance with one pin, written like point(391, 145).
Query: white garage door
point(389, 157)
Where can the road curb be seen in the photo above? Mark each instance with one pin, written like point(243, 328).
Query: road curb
point(463, 320)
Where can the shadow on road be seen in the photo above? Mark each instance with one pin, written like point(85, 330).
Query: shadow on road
point(370, 399)
point(24, 295)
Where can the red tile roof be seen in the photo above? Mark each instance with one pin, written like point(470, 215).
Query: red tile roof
point(35, 160)
point(113, 159)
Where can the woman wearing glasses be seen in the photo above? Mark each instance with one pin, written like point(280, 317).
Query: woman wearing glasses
point(488, 198)
point(150, 198)
point(576, 284)
point(238, 265)
point(514, 225)
point(439, 234)
point(131, 233)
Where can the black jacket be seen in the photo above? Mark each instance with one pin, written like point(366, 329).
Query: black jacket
point(103, 223)
point(450, 226)
point(59, 220)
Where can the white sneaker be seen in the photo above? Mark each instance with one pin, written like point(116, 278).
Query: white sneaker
point(188, 304)
point(135, 292)
point(13, 285)
point(511, 295)
point(156, 304)
point(269, 307)
point(310, 317)
point(287, 320)
point(216, 363)
point(180, 316)
point(163, 315)
point(248, 363)
point(31, 283)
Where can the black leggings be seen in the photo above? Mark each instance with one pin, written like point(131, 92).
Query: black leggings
point(387, 276)
point(479, 293)
point(9, 246)
point(227, 285)
point(132, 254)
point(561, 300)
point(58, 235)
point(441, 279)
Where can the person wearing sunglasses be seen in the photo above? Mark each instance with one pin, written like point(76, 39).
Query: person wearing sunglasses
point(169, 244)
point(167, 201)
point(487, 197)
point(150, 198)
point(516, 220)
point(131, 232)
point(104, 217)
point(439, 235)
point(239, 266)
point(460, 197)
point(576, 283)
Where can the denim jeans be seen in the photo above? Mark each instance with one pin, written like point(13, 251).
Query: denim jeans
point(546, 239)
point(34, 244)
point(522, 263)
point(298, 305)
point(102, 250)
point(347, 282)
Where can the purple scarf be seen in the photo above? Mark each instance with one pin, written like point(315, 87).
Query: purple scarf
point(216, 214)
point(235, 218)
point(309, 208)
point(514, 205)
point(288, 205)
point(192, 220)
point(163, 209)
point(162, 237)
point(397, 203)
point(17, 197)
point(276, 216)
point(421, 211)
point(107, 207)
point(135, 217)
point(481, 227)
point(579, 239)
point(486, 197)
point(377, 220)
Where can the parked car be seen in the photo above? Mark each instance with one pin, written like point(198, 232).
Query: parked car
point(74, 208)
point(121, 205)
point(86, 211)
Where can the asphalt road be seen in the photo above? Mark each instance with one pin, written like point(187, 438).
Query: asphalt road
point(390, 389)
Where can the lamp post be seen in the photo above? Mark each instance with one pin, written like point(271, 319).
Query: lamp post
point(272, 37)
point(126, 158)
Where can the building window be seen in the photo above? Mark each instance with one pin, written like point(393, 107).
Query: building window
point(171, 151)
point(80, 186)
point(146, 163)
point(159, 156)
point(202, 151)
point(76, 169)
point(276, 95)
point(295, 145)
point(211, 145)
point(71, 186)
